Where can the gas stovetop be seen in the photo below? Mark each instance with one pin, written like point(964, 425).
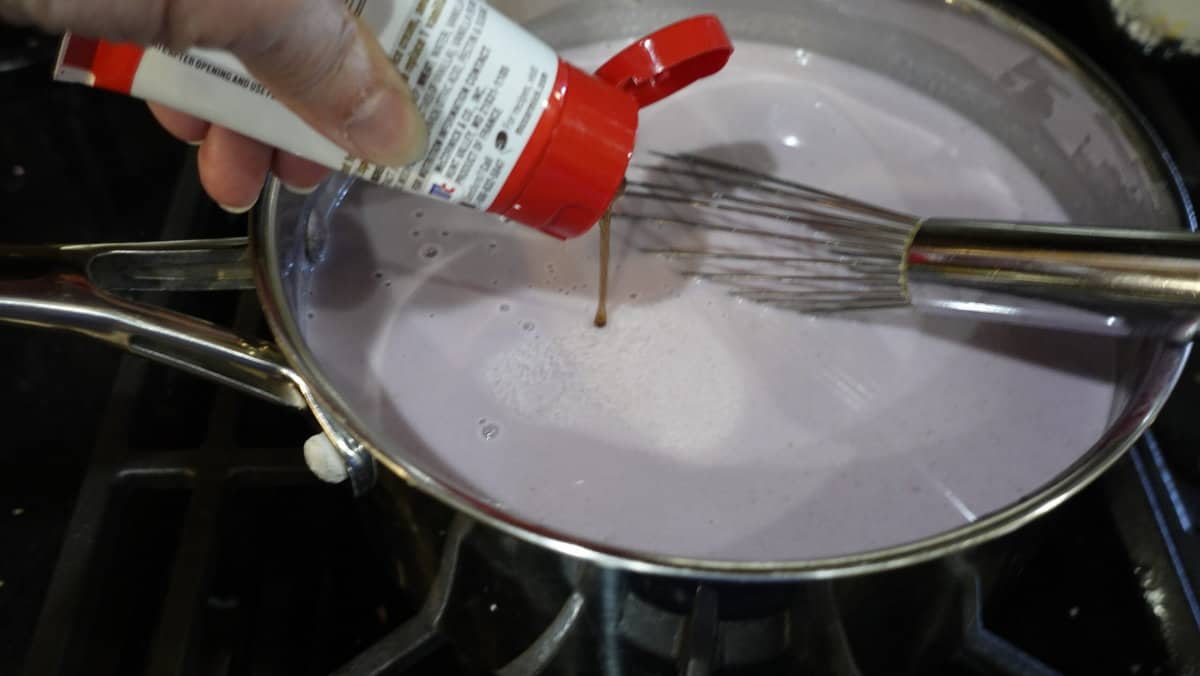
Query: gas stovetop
point(153, 523)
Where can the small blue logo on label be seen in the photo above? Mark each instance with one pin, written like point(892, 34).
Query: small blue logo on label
point(444, 191)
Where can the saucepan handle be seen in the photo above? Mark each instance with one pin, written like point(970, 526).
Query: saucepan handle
point(72, 288)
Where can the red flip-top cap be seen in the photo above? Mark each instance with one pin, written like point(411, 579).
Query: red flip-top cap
point(669, 59)
point(584, 161)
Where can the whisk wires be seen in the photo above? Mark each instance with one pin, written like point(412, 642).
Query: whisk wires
point(767, 239)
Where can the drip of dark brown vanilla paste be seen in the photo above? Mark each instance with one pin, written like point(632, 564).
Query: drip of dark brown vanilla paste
point(601, 319)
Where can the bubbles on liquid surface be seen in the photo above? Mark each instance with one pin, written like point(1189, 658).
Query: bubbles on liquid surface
point(489, 431)
point(505, 307)
point(378, 275)
point(418, 213)
point(528, 326)
point(430, 251)
point(415, 233)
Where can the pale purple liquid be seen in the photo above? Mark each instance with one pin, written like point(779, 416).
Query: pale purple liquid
point(694, 425)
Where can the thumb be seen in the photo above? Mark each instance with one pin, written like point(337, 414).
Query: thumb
point(327, 66)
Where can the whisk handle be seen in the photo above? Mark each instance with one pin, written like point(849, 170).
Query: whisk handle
point(1115, 276)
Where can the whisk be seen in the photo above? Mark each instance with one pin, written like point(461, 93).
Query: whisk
point(781, 243)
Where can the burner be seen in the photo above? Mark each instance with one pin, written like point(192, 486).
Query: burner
point(707, 637)
point(24, 49)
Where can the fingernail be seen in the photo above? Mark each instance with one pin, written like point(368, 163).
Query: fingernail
point(195, 144)
point(299, 190)
point(237, 210)
point(387, 129)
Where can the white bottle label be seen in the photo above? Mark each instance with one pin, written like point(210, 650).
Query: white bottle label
point(480, 81)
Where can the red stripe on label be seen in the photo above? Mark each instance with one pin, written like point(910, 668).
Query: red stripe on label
point(115, 65)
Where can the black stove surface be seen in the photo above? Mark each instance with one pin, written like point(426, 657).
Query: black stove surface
point(151, 523)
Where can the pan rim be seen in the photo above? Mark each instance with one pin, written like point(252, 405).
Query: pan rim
point(337, 419)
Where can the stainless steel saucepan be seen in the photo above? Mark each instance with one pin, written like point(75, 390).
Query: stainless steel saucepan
point(1052, 110)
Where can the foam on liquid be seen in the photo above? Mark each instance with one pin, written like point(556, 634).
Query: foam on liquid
point(694, 425)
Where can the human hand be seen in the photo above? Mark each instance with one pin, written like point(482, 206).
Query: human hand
point(313, 55)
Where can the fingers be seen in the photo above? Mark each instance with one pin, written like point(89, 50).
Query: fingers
point(233, 168)
point(314, 56)
point(298, 174)
point(180, 125)
point(222, 163)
